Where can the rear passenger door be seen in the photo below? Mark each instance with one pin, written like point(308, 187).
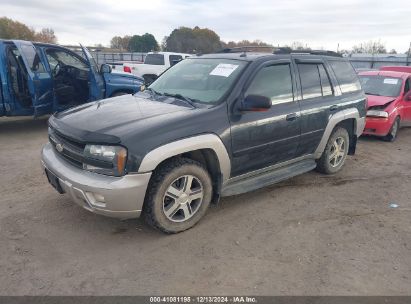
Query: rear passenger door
point(407, 103)
point(317, 102)
point(261, 139)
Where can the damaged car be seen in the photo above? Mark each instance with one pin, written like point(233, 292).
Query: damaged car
point(40, 78)
point(389, 102)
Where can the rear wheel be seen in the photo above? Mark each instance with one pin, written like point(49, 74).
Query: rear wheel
point(392, 135)
point(179, 195)
point(335, 152)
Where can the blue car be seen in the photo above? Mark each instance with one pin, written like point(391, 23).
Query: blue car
point(39, 78)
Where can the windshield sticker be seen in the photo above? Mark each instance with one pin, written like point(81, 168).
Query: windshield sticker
point(390, 81)
point(224, 69)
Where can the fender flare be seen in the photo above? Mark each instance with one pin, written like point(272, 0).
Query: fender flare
point(336, 119)
point(205, 141)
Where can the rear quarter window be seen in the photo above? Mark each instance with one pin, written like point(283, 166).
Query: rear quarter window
point(346, 76)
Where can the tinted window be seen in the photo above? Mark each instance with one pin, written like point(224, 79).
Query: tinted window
point(346, 77)
point(273, 82)
point(325, 81)
point(310, 80)
point(33, 59)
point(175, 59)
point(381, 85)
point(155, 59)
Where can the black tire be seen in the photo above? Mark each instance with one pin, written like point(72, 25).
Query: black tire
point(325, 163)
point(119, 94)
point(392, 135)
point(156, 199)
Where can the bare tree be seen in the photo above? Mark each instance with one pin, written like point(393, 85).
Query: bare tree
point(370, 47)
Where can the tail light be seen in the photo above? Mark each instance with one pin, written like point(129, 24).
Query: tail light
point(127, 69)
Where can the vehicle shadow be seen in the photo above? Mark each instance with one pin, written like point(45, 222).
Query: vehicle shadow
point(23, 124)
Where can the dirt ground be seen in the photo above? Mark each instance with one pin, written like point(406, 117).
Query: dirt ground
point(311, 235)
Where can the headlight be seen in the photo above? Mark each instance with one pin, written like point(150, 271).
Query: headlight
point(109, 160)
point(376, 113)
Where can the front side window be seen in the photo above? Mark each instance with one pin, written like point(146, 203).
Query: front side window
point(273, 82)
point(381, 85)
point(154, 59)
point(204, 80)
point(32, 58)
point(55, 57)
point(346, 76)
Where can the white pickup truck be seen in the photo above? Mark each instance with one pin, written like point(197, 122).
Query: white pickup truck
point(154, 64)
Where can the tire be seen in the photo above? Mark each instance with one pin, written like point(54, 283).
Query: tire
point(167, 206)
point(119, 94)
point(331, 162)
point(392, 135)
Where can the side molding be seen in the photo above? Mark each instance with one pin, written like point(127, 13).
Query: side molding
point(334, 120)
point(206, 141)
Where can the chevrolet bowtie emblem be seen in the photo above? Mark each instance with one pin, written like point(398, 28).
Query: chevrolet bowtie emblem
point(59, 147)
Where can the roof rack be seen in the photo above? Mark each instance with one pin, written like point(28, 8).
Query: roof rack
point(287, 50)
point(279, 50)
point(246, 48)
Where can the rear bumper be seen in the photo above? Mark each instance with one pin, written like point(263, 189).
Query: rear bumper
point(377, 126)
point(120, 197)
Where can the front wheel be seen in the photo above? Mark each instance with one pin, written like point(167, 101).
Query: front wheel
point(335, 152)
point(179, 195)
point(392, 135)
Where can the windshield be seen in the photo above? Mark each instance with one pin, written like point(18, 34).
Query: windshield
point(381, 85)
point(154, 59)
point(202, 80)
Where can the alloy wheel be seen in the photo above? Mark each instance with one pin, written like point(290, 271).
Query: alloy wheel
point(183, 198)
point(337, 152)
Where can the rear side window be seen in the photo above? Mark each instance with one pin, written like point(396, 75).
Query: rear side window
point(310, 80)
point(273, 82)
point(346, 77)
point(325, 81)
point(155, 59)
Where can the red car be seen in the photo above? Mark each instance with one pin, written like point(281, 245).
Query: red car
point(389, 101)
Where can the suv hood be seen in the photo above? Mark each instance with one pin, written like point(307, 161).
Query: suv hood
point(105, 120)
point(373, 100)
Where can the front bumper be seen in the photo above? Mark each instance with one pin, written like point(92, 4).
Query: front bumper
point(377, 126)
point(120, 197)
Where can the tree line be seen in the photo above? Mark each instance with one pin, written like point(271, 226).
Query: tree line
point(182, 40)
point(11, 29)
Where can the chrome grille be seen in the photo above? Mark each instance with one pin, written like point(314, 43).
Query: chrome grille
point(68, 148)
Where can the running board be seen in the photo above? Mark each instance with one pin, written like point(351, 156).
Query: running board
point(267, 178)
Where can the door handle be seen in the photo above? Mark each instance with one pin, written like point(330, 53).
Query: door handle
point(333, 108)
point(291, 117)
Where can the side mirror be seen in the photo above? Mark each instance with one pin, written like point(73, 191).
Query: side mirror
point(256, 103)
point(105, 68)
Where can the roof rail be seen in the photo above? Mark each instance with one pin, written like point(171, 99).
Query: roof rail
point(287, 50)
point(279, 50)
point(246, 48)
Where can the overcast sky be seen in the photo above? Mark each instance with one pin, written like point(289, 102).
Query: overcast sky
point(318, 23)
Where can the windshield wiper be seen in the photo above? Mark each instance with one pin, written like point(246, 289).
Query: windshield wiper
point(153, 92)
point(179, 96)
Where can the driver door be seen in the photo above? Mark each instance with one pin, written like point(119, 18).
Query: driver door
point(406, 119)
point(96, 81)
point(39, 79)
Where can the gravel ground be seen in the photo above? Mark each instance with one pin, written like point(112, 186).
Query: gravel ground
point(310, 235)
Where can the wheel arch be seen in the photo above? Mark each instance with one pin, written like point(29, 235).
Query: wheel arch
point(208, 149)
point(347, 118)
